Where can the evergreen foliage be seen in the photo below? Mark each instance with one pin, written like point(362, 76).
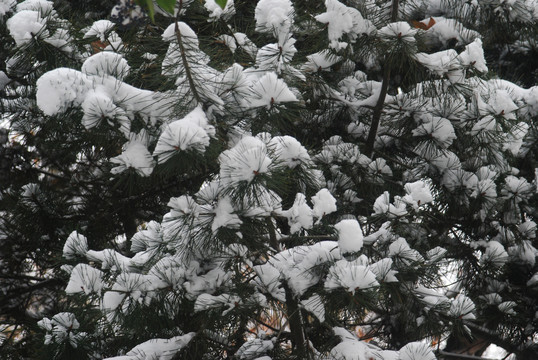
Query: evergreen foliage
point(269, 179)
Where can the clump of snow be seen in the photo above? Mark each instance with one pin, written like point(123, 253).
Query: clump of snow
point(98, 106)
point(191, 133)
point(75, 245)
point(401, 249)
point(288, 151)
point(400, 31)
point(495, 254)
point(135, 155)
point(99, 29)
point(320, 61)
point(275, 17)
point(324, 204)
point(60, 88)
point(382, 205)
point(340, 20)
point(418, 193)
point(61, 328)
point(253, 348)
point(44, 7)
point(473, 56)
point(439, 129)
point(443, 63)
point(6, 6)
point(25, 25)
point(416, 351)
point(85, 279)
point(352, 348)
point(349, 236)
point(225, 215)
point(269, 90)
point(462, 307)
point(216, 12)
point(247, 159)
point(159, 349)
point(350, 276)
point(383, 270)
point(189, 37)
point(300, 215)
point(106, 63)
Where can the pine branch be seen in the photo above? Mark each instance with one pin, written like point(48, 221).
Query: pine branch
point(293, 310)
point(185, 62)
point(376, 117)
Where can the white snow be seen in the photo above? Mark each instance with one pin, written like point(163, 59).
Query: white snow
point(324, 204)
point(106, 63)
point(85, 279)
point(270, 90)
point(191, 133)
point(349, 236)
point(340, 20)
point(135, 155)
point(247, 159)
point(6, 6)
point(75, 245)
point(99, 29)
point(416, 351)
point(350, 276)
point(25, 25)
point(157, 349)
point(216, 12)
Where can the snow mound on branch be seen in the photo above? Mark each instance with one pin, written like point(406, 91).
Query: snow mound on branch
point(136, 156)
point(439, 129)
point(85, 279)
point(324, 204)
point(349, 236)
point(297, 266)
point(44, 7)
point(99, 29)
point(158, 349)
point(7, 6)
point(340, 20)
point(75, 245)
point(352, 348)
point(188, 36)
point(253, 348)
point(106, 63)
point(98, 106)
point(400, 30)
point(25, 25)
point(274, 16)
point(288, 151)
point(416, 351)
point(418, 193)
point(350, 276)
point(462, 308)
point(383, 270)
point(216, 12)
point(192, 133)
point(270, 90)
point(300, 215)
point(315, 305)
point(247, 159)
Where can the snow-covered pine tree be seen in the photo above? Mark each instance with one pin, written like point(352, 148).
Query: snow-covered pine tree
point(344, 180)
